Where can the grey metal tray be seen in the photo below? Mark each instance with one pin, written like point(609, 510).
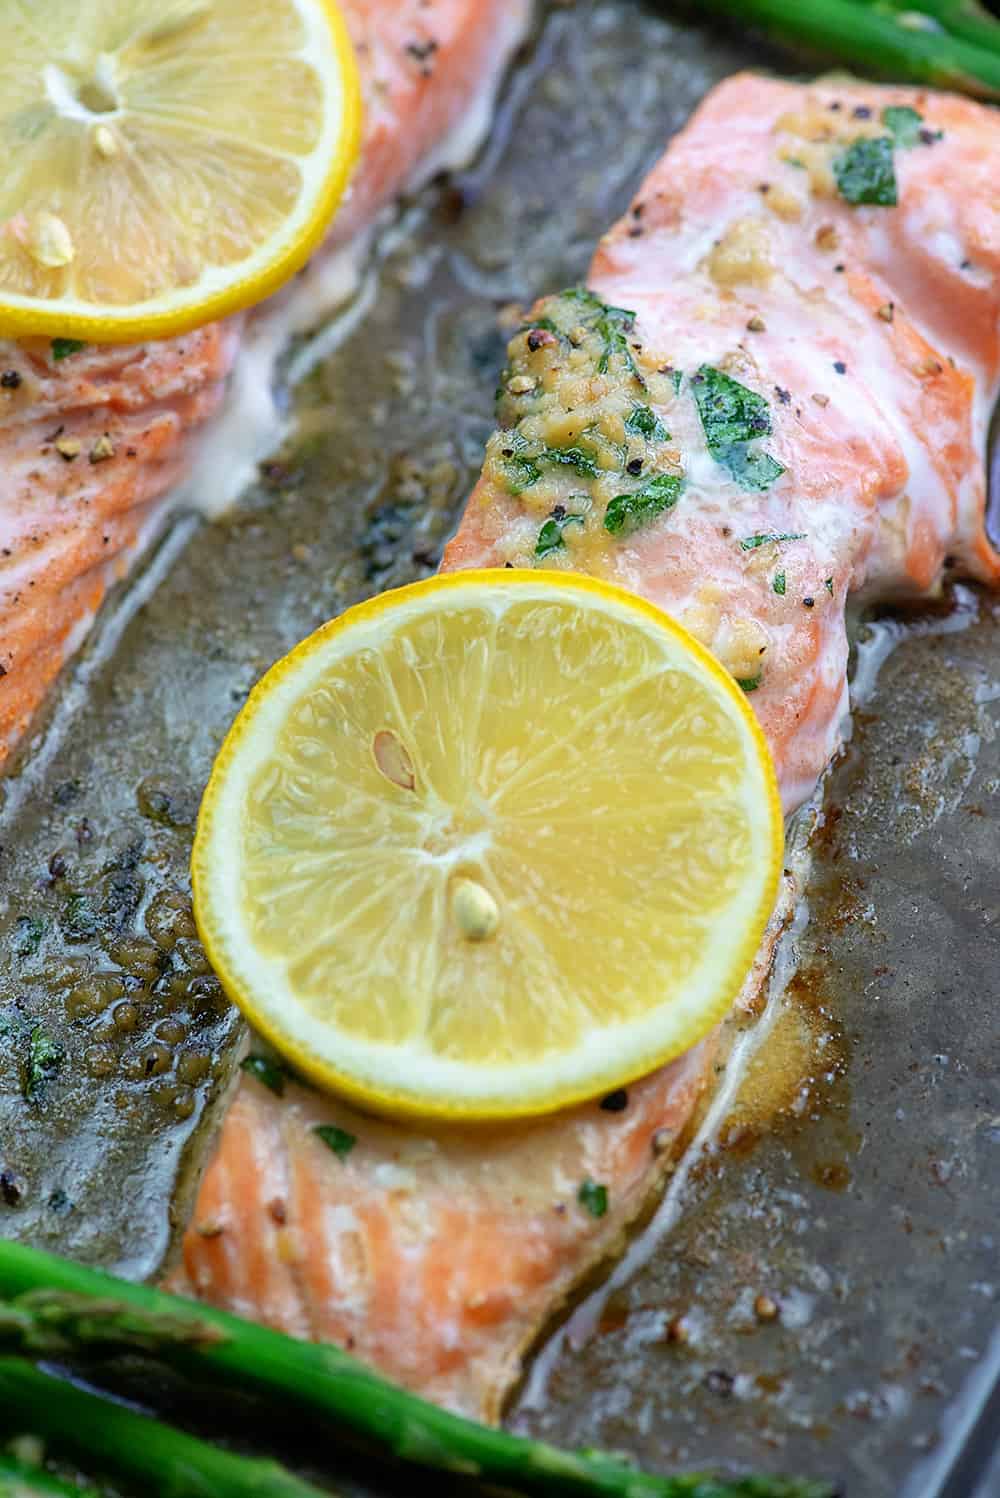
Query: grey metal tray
point(857, 1182)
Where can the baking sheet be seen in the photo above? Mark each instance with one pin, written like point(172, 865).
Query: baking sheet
point(857, 1183)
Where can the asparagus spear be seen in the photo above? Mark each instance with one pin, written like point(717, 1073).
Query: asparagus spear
point(958, 47)
point(57, 1308)
point(19, 1479)
point(112, 1438)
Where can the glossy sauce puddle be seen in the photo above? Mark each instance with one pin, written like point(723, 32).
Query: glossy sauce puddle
point(789, 1063)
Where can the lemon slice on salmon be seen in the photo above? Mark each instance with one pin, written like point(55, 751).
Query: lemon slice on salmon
point(489, 845)
point(165, 164)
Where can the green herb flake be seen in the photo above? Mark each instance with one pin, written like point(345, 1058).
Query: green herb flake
point(550, 537)
point(28, 933)
point(677, 380)
point(779, 584)
point(866, 173)
point(828, 585)
point(610, 323)
point(732, 417)
point(271, 1073)
point(543, 324)
point(642, 421)
point(593, 1197)
point(62, 348)
point(749, 683)
point(903, 123)
point(763, 538)
point(44, 1057)
point(569, 457)
point(612, 327)
point(522, 471)
point(338, 1140)
point(657, 495)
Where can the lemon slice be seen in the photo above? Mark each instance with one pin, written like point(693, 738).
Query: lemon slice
point(489, 845)
point(165, 164)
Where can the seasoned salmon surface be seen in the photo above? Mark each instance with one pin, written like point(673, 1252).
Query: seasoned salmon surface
point(95, 439)
point(769, 398)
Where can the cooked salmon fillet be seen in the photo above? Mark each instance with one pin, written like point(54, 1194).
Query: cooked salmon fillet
point(769, 398)
point(95, 441)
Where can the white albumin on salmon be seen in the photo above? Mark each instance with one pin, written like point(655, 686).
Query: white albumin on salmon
point(96, 443)
point(871, 332)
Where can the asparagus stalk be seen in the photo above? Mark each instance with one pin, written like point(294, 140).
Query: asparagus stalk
point(19, 1479)
point(960, 51)
point(962, 18)
point(58, 1308)
point(107, 1436)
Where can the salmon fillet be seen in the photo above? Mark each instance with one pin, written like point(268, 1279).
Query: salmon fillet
point(795, 412)
point(94, 442)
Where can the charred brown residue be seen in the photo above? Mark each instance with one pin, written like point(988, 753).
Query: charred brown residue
point(798, 1078)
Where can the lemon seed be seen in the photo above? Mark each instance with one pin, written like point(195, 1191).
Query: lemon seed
point(50, 242)
point(475, 910)
point(105, 142)
point(393, 760)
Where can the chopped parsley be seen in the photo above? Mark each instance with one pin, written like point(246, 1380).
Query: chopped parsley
point(644, 422)
point(271, 1073)
point(543, 324)
point(569, 457)
point(656, 495)
point(903, 123)
point(338, 1140)
point(44, 1057)
point(749, 683)
point(550, 537)
point(866, 173)
point(733, 417)
point(62, 348)
point(676, 379)
point(524, 462)
point(828, 585)
point(522, 471)
point(779, 584)
point(763, 538)
point(613, 326)
point(593, 1197)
